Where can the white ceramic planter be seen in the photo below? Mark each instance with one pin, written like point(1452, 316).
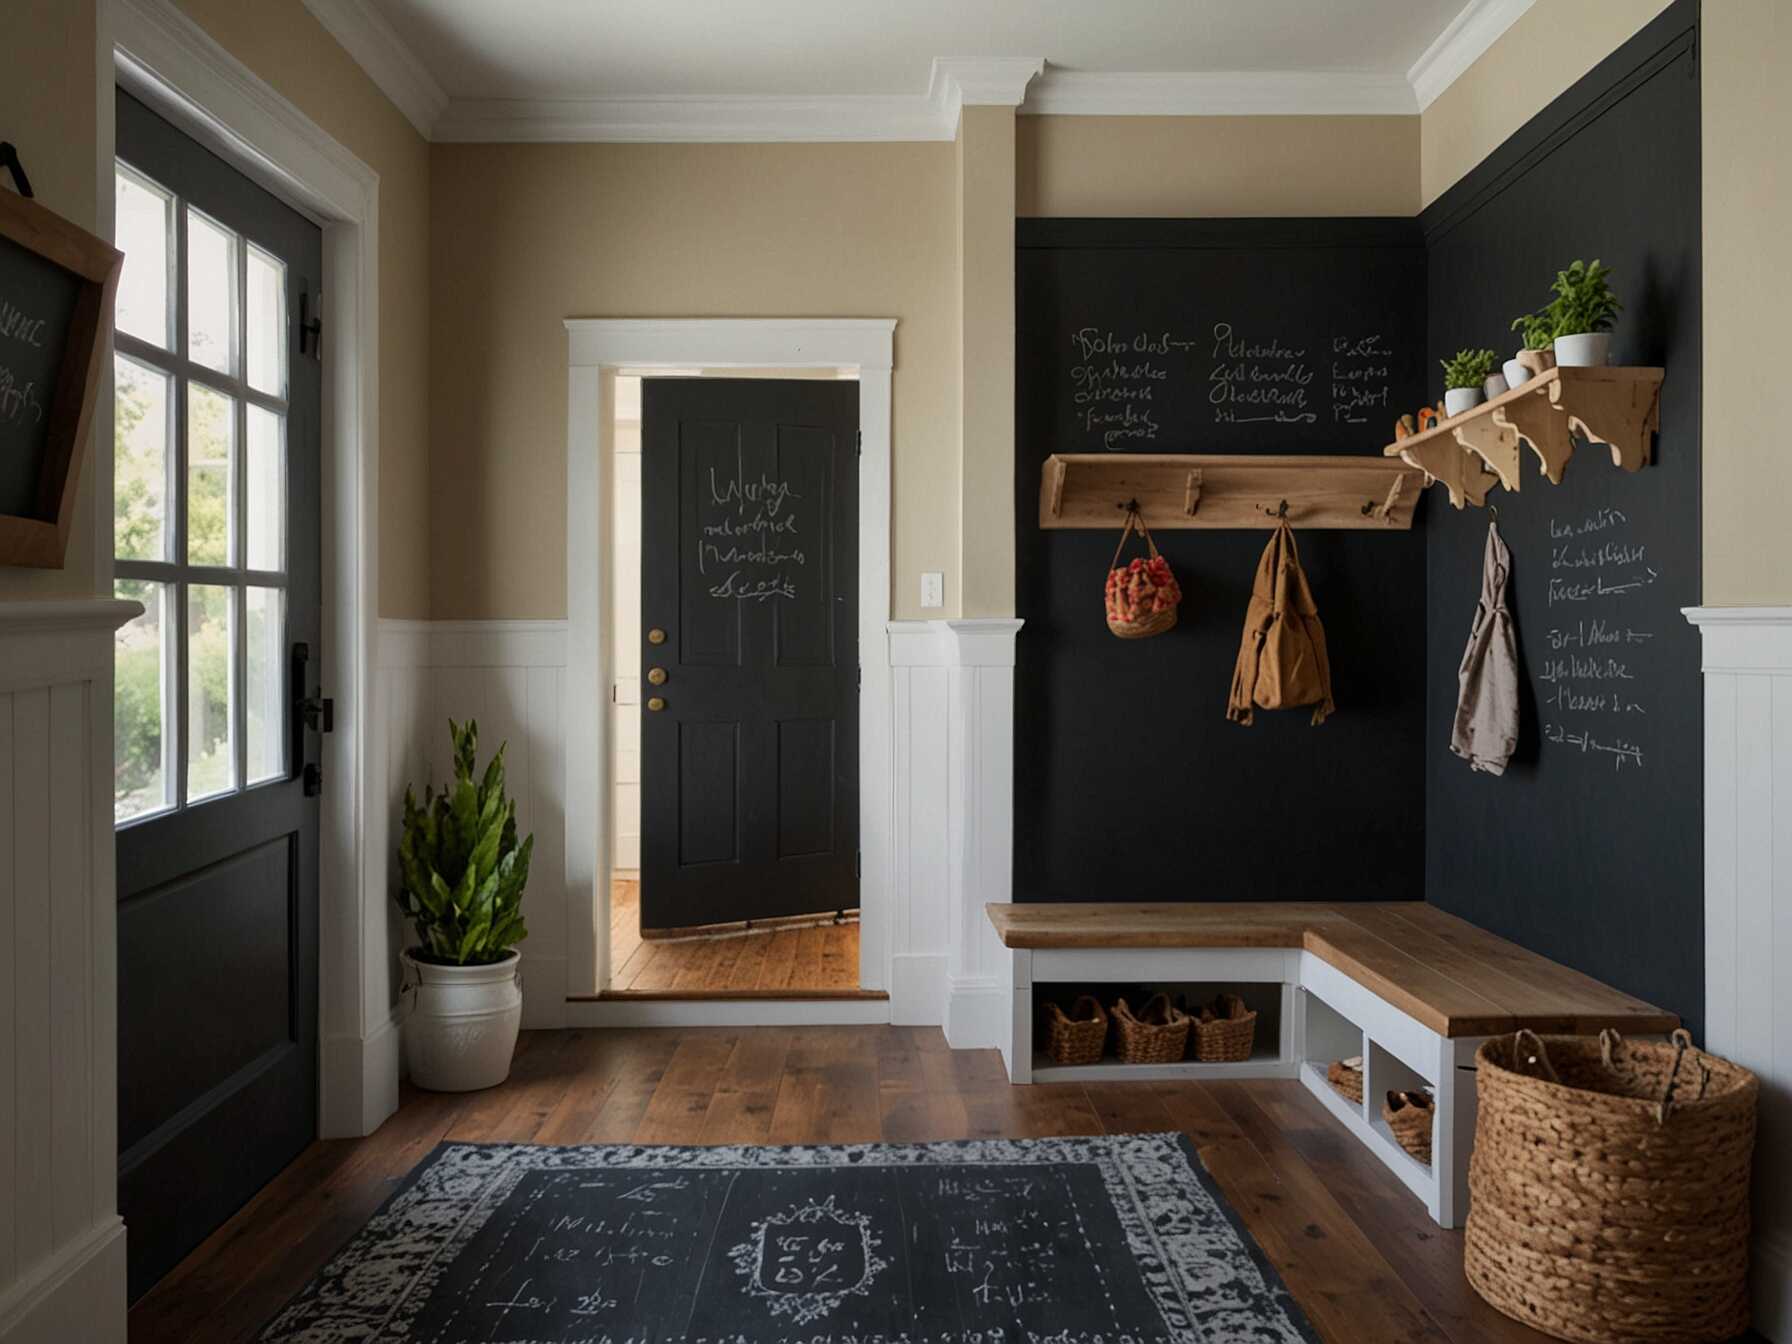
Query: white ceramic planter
point(1460, 399)
point(1516, 373)
point(1588, 350)
point(461, 1031)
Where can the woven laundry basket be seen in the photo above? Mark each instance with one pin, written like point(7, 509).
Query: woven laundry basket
point(1347, 1076)
point(1224, 1031)
point(1156, 1034)
point(1609, 1188)
point(1076, 1037)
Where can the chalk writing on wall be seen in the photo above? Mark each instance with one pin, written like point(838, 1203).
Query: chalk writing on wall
point(1117, 380)
point(1588, 678)
point(749, 544)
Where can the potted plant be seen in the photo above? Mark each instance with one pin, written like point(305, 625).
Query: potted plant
point(1581, 315)
point(1534, 356)
point(461, 875)
point(1464, 378)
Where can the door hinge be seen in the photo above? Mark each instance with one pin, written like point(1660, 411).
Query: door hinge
point(314, 780)
point(858, 863)
point(861, 678)
point(309, 326)
point(861, 438)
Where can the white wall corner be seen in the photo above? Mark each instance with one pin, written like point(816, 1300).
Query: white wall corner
point(1476, 27)
point(393, 67)
point(1747, 663)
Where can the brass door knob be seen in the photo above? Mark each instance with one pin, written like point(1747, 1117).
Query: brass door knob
point(656, 636)
point(656, 676)
point(655, 704)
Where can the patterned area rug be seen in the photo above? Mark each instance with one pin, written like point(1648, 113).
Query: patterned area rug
point(1116, 1240)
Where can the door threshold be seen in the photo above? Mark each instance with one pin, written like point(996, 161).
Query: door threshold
point(722, 995)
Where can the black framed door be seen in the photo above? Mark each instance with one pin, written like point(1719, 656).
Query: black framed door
point(217, 532)
point(749, 650)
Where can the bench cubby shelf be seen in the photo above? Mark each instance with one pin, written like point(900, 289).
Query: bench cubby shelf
point(1479, 449)
point(1411, 989)
point(1193, 490)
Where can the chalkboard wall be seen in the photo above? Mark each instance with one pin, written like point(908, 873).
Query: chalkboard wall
point(1224, 336)
point(1589, 848)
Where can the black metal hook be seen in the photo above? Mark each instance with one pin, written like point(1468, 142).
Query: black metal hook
point(1131, 506)
point(9, 159)
point(1280, 510)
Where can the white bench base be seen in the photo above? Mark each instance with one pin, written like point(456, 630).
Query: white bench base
point(1325, 1015)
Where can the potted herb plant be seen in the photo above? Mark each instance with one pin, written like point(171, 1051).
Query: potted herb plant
point(1535, 355)
point(1581, 315)
point(461, 879)
point(1465, 376)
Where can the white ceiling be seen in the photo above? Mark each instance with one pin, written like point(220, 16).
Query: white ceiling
point(590, 48)
point(893, 69)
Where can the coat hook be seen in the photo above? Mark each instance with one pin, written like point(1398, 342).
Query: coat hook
point(1493, 512)
point(1280, 511)
point(1131, 506)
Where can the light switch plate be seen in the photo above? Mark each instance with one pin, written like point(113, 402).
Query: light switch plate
point(933, 589)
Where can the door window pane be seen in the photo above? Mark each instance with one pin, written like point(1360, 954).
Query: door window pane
point(143, 667)
point(211, 293)
point(265, 490)
point(211, 690)
point(142, 428)
point(266, 688)
point(145, 228)
point(211, 458)
point(266, 323)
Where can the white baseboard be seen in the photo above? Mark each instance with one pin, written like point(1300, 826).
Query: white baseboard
point(77, 1294)
point(544, 992)
point(918, 989)
point(976, 1013)
point(366, 1074)
point(726, 1012)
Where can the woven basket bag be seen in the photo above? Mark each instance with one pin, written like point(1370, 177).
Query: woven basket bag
point(1141, 598)
point(1157, 1034)
point(1224, 1030)
point(1609, 1188)
point(1079, 1036)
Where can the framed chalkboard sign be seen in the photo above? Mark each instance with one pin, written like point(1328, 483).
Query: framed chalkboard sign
point(57, 285)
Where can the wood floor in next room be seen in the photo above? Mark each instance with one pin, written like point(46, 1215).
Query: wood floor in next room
point(818, 960)
point(1356, 1249)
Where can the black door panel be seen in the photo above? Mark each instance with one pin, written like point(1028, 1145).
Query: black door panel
point(749, 768)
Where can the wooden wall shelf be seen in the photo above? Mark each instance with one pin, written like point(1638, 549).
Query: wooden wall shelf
point(1185, 490)
point(1472, 452)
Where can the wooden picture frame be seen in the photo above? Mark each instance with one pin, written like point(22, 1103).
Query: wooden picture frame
point(40, 539)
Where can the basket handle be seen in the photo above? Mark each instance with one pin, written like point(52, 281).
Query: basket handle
point(1682, 1040)
point(1133, 519)
point(1536, 1054)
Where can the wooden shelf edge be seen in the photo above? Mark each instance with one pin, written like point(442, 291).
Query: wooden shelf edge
point(1619, 406)
point(1234, 491)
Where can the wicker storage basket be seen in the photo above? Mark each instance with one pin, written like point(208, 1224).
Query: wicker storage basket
point(1224, 1030)
point(1157, 1034)
point(1347, 1076)
point(1408, 1116)
point(1609, 1188)
point(1141, 597)
point(1080, 1036)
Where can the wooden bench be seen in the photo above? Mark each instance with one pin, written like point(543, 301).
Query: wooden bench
point(1410, 988)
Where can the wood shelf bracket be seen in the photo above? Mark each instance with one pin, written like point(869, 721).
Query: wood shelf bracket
point(1622, 415)
point(1494, 443)
point(1461, 472)
point(1545, 428)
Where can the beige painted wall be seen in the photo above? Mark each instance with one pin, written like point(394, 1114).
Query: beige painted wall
point(284, 45)
point(48, 109)
point(524, 236)
point(1745, 48)
point(1171, 166)
point(1551, 46)
point(49, 71)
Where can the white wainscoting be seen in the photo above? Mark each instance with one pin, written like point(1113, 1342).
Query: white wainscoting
point(508, 676)
point(1748, 905)
point(62, 1268)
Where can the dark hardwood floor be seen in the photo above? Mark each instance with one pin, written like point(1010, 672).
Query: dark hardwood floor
point(1355, 1247)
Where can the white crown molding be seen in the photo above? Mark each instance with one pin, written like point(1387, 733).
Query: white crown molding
point(692, 119)
point(978, 81)
point(388, 62)
point(1476, 28)
point(1220, 93)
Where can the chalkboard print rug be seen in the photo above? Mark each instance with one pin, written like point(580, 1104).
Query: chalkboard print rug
point(1114, 1240)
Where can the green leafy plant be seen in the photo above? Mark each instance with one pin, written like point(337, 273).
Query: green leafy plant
point(1536, 329)
point(462, 871)
point(1469, 368)
point(1583, 301)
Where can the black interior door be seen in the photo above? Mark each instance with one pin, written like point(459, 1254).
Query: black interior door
point(749, 732)
point(217, 503)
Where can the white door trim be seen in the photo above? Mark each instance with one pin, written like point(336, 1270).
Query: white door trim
point(597, 344)
point(162, 57)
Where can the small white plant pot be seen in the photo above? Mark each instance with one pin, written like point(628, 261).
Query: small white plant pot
point(461, 1031)
point(1516, 373)
point(1495, 385)
point(1460, 399)
point(1587, 350)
